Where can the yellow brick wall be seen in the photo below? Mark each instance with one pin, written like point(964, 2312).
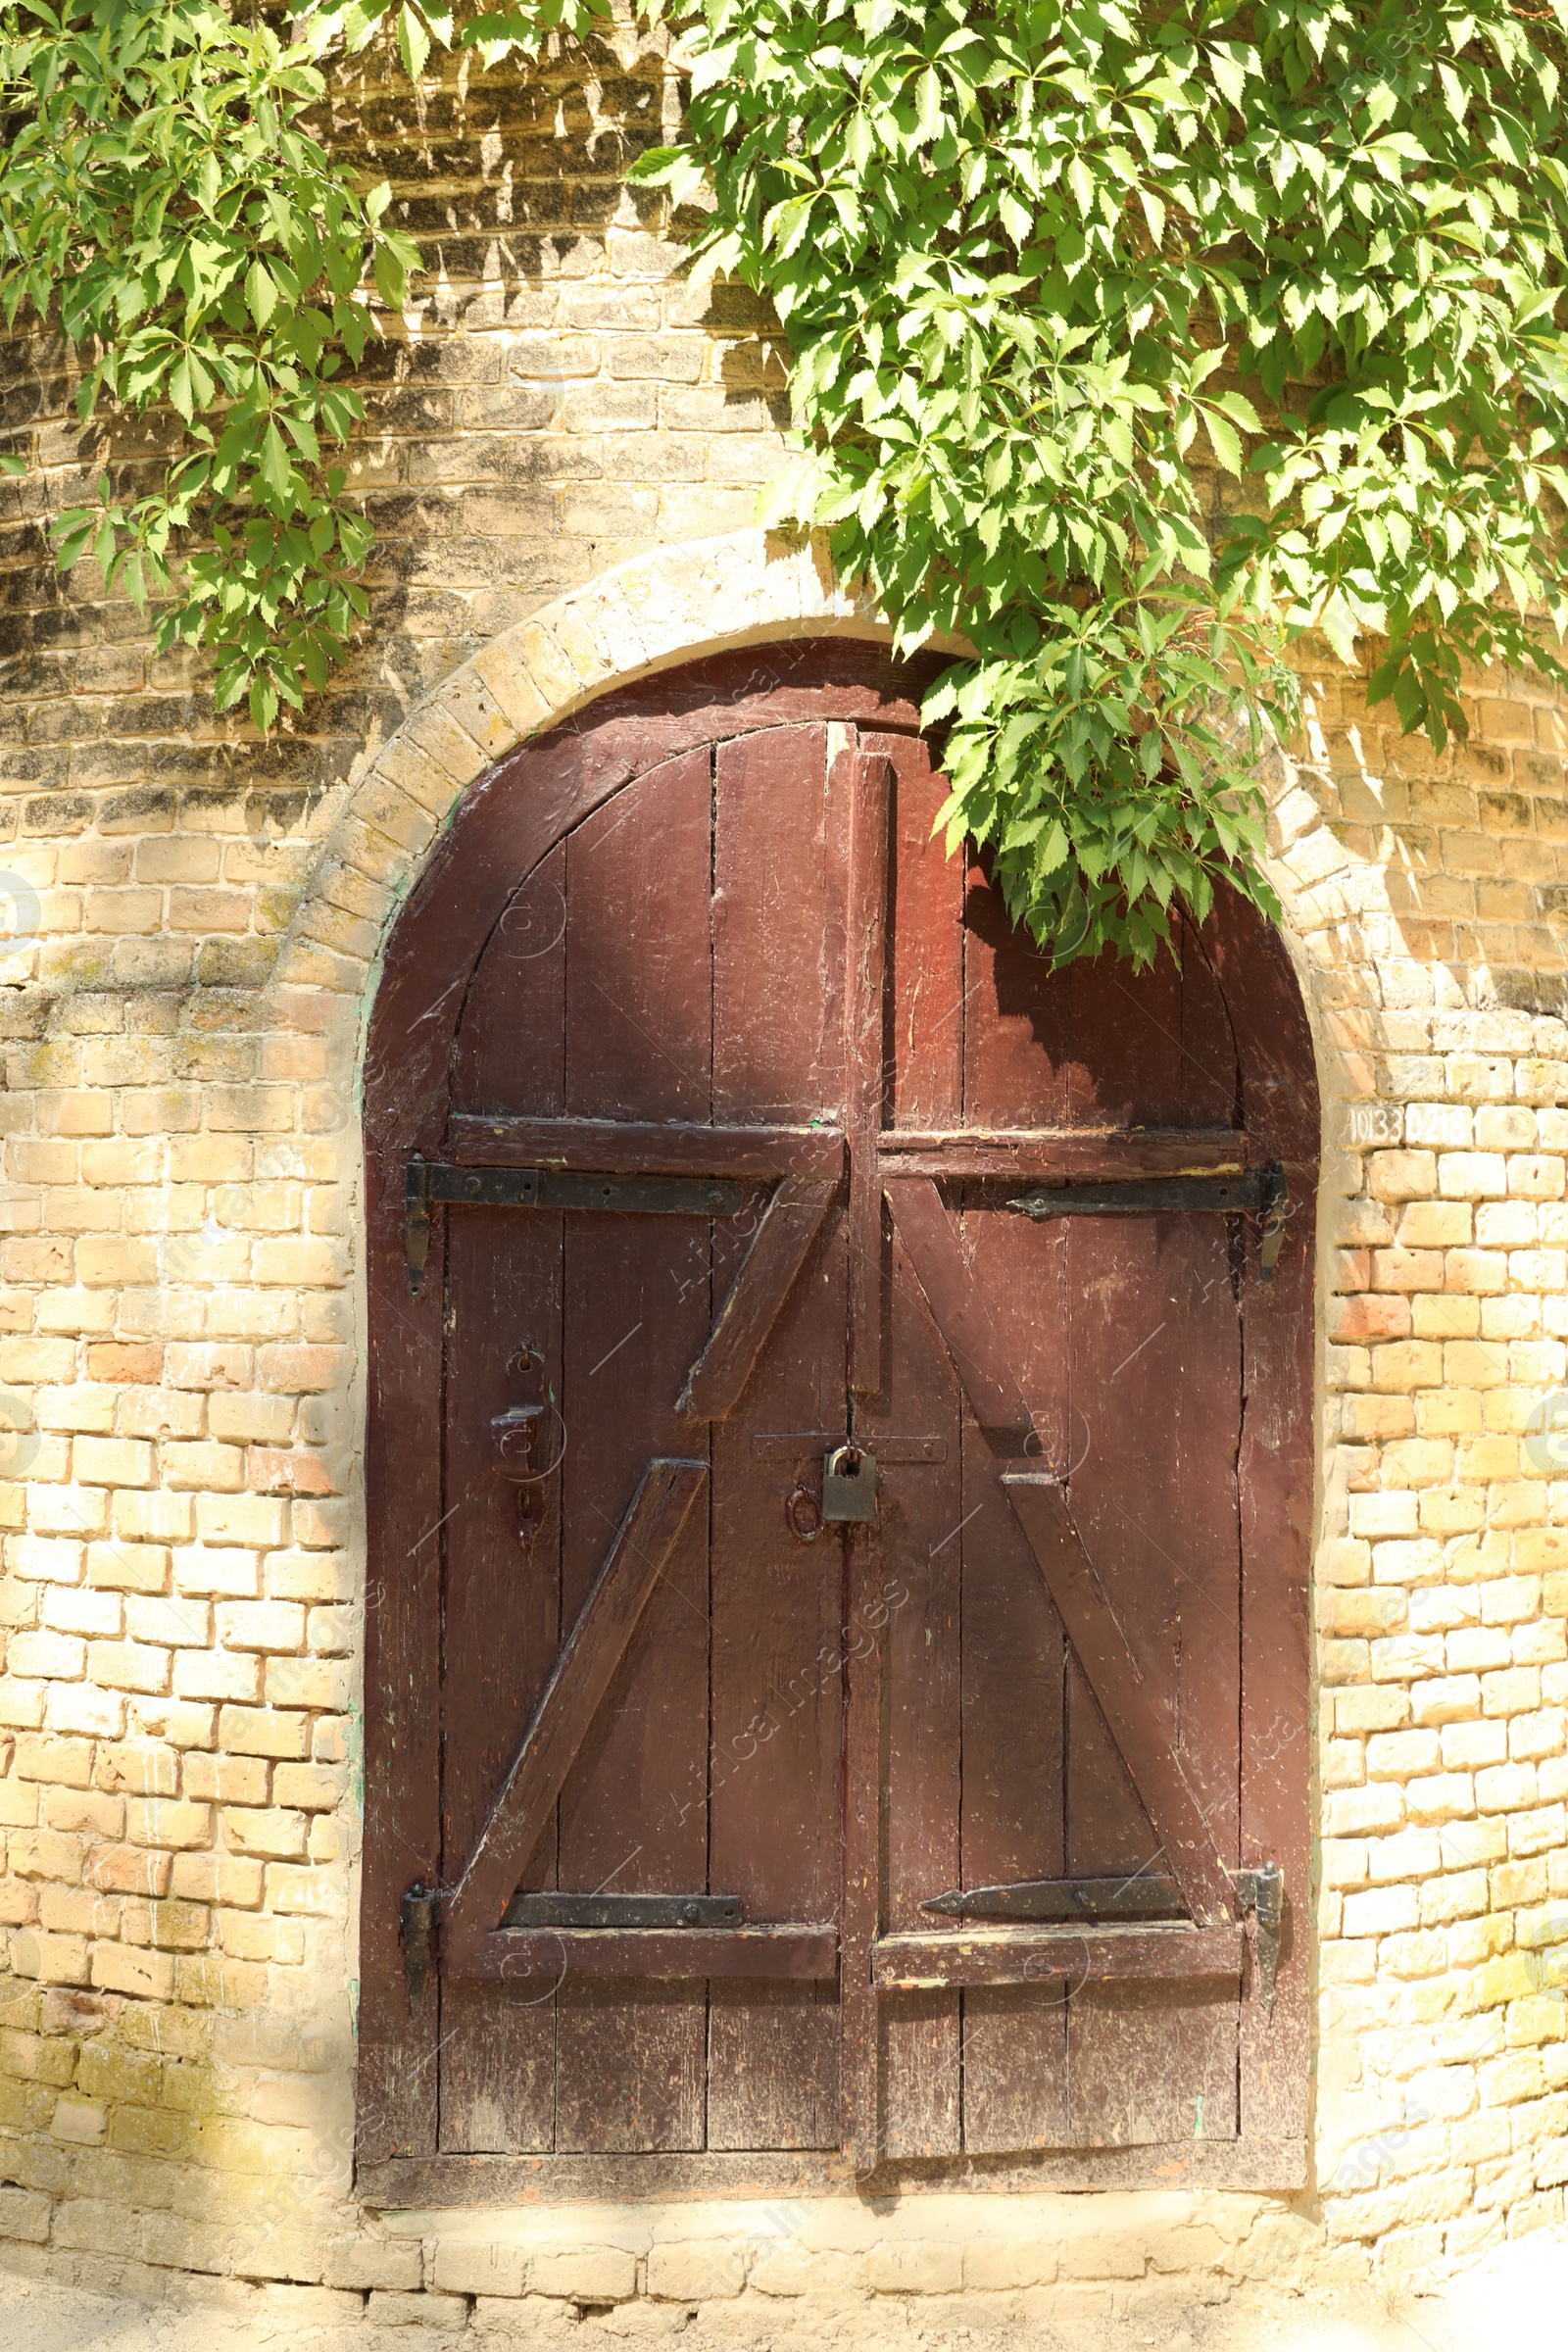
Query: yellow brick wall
point(1427, 902)
point(183, 1591)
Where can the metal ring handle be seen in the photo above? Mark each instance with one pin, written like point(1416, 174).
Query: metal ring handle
point(802, 1494)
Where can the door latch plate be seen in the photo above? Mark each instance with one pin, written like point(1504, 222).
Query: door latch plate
point(1263, 1892)
point(416, 1922)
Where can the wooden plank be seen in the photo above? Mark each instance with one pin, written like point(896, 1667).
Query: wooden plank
point(581, 1676)
point(630, 2057)
point(502, 1636)
point(790, 1225)
point(1153, 1498)
point(1070, 1955)
point(1123, 1363)
point(509, 1955)
point(920, 1511)
point(1014, 2036)
point(926, 949)
point(772, 2065)
point(776, 1821)
point(1274, 1466)
point(1153, 2059)
point(634, 2057)
point(860, 1903)
point(1211, 1088)
point(504, 829)
point(865, 1086)
point(777, 888)
point(1126, 1700)
point(1128, 1067)
point(968, 1330)
point(1023, 1154)
point(398, 2048)
point(1015, 2074)
point(497, 2070)
point(644, 1147)
point(1157, 1504)
point(919, 2034)
point(508, 1058)
point(501, 1627)
point(1019, 1069)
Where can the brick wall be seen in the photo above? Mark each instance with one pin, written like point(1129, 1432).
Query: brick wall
point(183, 1572)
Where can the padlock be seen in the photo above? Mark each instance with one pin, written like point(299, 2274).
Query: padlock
point(849, 1484)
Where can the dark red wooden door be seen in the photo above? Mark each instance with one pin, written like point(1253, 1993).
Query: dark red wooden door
point(748, 1124)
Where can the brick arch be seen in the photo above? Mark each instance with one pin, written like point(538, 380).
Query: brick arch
point(653, 613)
point(658, 609)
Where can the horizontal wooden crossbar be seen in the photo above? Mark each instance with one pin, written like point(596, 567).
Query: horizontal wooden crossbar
point(1025, 1154)
point(1054, 1955)
point(798, 1954)
point(652, 1149)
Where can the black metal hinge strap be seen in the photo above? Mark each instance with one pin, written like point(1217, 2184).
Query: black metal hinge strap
point(798, 1445)
point(550, 1910)
point(1141, 1896)
point(1275, 1208)
point(1263, 1193)
point(433, 1182)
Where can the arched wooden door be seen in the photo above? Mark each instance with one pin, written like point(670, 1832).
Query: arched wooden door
point(728, 1796)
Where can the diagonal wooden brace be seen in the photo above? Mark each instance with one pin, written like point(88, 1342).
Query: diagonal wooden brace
point(968, 1331)
point(1129, 1706)
point(789, 1226)
point(637, 1555)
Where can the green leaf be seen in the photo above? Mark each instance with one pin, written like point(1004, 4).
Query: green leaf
point(414, 42)
point(274, 466)
point(263, 705)
point(261, 293)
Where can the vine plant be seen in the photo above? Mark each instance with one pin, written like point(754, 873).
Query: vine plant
point(1049, 275)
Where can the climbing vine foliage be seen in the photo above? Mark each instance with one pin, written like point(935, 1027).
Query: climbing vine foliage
point(1127, 343)
point(162, 202)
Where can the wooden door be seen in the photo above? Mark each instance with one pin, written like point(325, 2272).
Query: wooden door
point(715, 1118)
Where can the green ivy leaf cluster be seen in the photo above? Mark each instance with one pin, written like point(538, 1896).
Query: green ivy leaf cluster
point(1034, 263)
point(161, 199)
point(1046, 275)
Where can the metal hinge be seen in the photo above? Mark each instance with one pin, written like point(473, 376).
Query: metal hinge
point(418, 1916)
point(1263, 1892)
point(550, 1910)
point(1274, 1205)
point(1262, 1194)
point(433, 1184)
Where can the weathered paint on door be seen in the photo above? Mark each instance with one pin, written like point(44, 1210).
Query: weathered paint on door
point(1056, 1687)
